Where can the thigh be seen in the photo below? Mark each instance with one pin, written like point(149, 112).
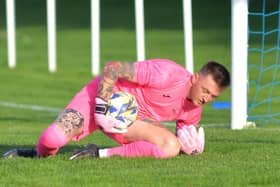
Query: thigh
point(152, 132)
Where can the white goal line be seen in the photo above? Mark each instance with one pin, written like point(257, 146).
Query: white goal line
point(29, 107)
point(57, 110)
point(202, 125)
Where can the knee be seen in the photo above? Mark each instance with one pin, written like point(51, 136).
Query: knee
point(171, 147)
point(70, 122)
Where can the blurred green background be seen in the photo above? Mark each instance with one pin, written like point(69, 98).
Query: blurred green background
point(232, 158)
point(31, 83)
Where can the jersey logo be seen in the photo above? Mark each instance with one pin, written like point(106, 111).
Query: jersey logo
point(166, 95)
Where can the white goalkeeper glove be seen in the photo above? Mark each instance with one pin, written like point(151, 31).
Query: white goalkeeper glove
point(107, 123)
point(191, 140)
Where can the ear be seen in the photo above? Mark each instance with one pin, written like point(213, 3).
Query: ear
point(194, 78)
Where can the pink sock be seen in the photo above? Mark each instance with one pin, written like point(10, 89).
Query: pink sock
point(50, 141)
point(136, 149)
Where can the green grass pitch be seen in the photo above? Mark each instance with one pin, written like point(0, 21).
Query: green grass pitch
point(232, 158)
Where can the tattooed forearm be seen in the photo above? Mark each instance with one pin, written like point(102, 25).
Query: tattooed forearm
point(105, 89)
point(113, 71)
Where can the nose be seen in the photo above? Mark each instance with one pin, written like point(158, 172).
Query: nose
point(207, 98)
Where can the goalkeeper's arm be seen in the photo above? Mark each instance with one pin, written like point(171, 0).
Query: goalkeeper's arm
point(111, 73)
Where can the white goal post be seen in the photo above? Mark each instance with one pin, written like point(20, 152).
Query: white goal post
point(51, 21)
point(95, 33)
point(239, 53)
point(11, 32)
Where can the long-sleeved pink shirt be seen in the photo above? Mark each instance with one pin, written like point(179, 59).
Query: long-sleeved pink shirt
point(161, 91)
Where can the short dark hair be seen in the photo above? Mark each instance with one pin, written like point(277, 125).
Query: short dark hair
point(219, 73)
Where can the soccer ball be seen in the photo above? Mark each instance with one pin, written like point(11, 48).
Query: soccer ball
point(123, 107)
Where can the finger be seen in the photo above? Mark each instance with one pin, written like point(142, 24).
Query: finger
point(181, 138)
point(190, 133)
point(184, 137)
point(185, 141)
point(201, 136)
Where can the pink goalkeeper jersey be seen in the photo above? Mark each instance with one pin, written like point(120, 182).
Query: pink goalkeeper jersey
point(161, 90)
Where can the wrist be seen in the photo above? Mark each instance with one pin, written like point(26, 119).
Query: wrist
point(101, 106)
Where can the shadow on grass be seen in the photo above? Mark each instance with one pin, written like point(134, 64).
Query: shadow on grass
point(68, 149)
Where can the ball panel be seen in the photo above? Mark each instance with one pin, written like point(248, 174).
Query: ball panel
point(123, 107)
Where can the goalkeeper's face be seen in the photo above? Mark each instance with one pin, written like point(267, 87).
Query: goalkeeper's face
point(203, 89)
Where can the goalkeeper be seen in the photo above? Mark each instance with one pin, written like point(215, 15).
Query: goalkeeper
point(164, 91)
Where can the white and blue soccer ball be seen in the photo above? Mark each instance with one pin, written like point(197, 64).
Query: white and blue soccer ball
point(123, 107)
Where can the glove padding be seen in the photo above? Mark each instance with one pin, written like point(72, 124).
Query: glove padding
point(107, 123)
point(191, 140)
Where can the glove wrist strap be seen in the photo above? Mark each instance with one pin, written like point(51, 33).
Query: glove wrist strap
point(101, 108)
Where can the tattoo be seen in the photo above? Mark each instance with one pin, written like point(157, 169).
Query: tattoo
point(113, 71)
point(70, 121)
point(105, 89)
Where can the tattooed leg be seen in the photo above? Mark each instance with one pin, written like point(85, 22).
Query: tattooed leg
point(70, 122)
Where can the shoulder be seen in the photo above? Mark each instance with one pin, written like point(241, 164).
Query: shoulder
point(160, 73)
point(161, 64)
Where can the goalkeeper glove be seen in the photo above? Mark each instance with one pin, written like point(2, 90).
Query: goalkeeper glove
point(107, 123)
point(191, 140)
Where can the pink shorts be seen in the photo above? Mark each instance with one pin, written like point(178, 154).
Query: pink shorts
point(84, 102)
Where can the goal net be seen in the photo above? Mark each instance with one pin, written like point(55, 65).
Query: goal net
point(263, 85)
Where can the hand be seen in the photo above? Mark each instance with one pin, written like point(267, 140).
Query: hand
point(107, 123)
point(192, 142)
